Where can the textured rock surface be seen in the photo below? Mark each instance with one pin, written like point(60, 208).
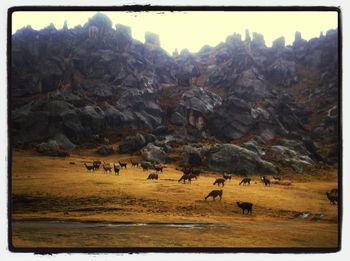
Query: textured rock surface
point(70, 85)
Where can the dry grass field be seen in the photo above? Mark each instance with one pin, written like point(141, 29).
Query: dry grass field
point(104, 210)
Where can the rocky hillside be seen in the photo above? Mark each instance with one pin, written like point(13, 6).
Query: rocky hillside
point(237, 102)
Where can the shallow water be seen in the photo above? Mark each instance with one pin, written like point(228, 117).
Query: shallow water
point(92, 224)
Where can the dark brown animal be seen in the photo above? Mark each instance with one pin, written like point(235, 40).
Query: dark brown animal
point(214, 194)
point(245, 206)
point(116, 169)
point(219, 181)
point(276, 178)
point(332, 196)
point(89, 167)
point(266, 181)
point(123, 164)
point(187, 177)
point(158, 168)
point(245, 181)
point(144, 166)
point(134, 163)
point(226, 176)
point(153, 176)
point(96, 164)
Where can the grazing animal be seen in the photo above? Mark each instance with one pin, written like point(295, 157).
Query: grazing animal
point(107, 167)
point(219, 181)
point(245, 206)
point(146, 165)
point(116, 169)
point(188, 177)
point(123, 164)
point(333, 197)
point(214, 194)
point(266, 181)
point(134, 163)
point(226, 177)
point(276, 178)
point(89, 167)
point(153, 176)
point(245, 181)
point(187, 171)
point(96, 164)
point(158, 168)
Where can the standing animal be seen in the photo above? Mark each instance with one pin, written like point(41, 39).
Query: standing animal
point(266, 181)
point(123, 164)
point(116, 169)
point(89, 167)
point(332, 196)
point(188, 177)
point(146, 165)
point(96, 164)
point(214, 194)
point(134, 163)
point(226, 176)
point(107, 167)
point(158, 168)
point(245, 206)
point(245, 181)
point(219, 181)
point(153, 176)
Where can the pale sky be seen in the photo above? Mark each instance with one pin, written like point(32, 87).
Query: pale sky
point(194, 29)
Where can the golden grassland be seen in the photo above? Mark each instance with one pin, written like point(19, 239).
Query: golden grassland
point(51, 188)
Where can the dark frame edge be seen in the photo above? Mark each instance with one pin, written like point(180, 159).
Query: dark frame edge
point(133, 8)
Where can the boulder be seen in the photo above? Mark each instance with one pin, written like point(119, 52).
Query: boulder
point(233, 158)
point(294, 159)
point(253, 145)
point(51, 148)
point(154, 154)
point(105, 150)
point(64, 142)
point(132, 143)
point(192, 156)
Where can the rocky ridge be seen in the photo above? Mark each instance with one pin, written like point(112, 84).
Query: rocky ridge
point(95, 84)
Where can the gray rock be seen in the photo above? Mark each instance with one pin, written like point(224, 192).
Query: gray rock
point(132, 143)
point(296, 160)
point(64, 142)
point(177, 119)
point(232, 158)
point(154, 154)
point(51, 148)
point(200, 100)
point(192, 156)
point(253, 145)
point(105, 150)
point(161, 130)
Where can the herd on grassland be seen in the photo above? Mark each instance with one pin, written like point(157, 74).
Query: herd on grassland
point(189, 174)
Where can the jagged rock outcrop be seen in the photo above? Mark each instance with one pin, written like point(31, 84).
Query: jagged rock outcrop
point(72, 84)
